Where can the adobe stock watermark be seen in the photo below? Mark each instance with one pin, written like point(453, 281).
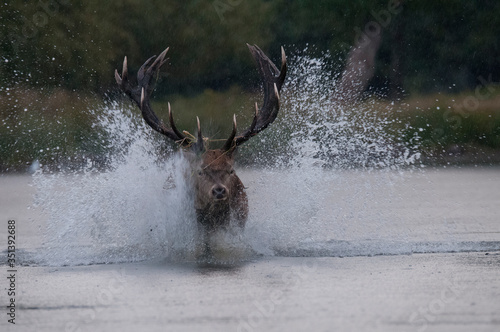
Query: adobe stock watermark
point(223, 6)
point(31, 25)
point(484, 90)
point(455, 114)
point(265, 308)
point(424, 315)
point(104, 297)
point(372, 29)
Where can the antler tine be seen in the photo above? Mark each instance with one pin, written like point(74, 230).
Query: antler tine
point(143, 69)
point(140, 95)
point(277, 94)
point(273, 80)
point(117, 75)
point(230, 141)
point(125, 68)
point(172, 124)
point(119, 79)
point(142, 98)
point(152, 120)
point(160, 60)
point(199, 147)
point(283, 66)
point(200, 137)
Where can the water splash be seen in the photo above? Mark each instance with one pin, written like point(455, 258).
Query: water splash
point(139, 208)
point(341, 163)
point(328, 133)
point(130, 212)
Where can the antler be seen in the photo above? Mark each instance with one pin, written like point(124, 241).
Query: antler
point(140, 95)
point(272, 77)
point(273, 80)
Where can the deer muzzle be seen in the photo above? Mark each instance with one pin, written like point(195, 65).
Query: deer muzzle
point(219, 192)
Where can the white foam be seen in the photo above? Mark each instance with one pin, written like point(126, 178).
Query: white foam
point(139, 208)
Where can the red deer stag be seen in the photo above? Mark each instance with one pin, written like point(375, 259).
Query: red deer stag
point(219, 194)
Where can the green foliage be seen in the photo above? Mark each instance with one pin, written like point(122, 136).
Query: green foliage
point(78, 44)
point(54, 54)
point(445, 128)
point(47, 126)
point(449, 44)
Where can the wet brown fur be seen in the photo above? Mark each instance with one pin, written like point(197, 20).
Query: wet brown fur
point(214, 169)
point(219, 194)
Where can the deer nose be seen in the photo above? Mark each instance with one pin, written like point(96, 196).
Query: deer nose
point(219, 192)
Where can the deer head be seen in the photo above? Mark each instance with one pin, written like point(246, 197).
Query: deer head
point(219, 193)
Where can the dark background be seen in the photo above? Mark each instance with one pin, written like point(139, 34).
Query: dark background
point(57, 59)
point(77, 44)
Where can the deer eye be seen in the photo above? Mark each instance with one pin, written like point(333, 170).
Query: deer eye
point(231, 171)
point(200, 173)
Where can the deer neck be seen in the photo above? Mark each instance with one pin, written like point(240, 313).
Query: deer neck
point(214, 214)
